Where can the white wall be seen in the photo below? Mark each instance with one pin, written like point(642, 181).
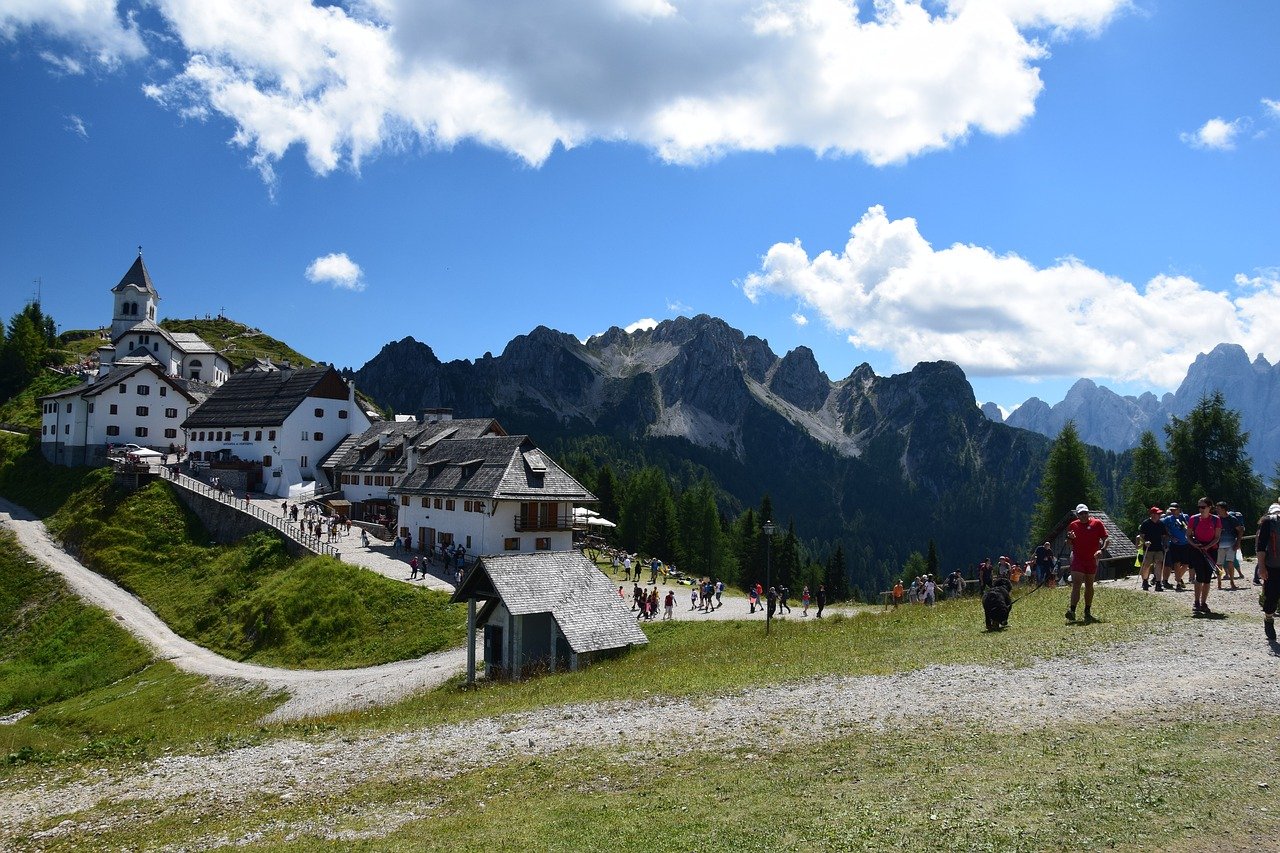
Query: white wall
point(90, 428)
point(488, 532)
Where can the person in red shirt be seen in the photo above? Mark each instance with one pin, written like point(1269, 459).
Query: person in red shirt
point(1088, 540)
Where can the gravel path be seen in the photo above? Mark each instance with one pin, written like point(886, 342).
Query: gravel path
point(311, 692)
point(1223, 665)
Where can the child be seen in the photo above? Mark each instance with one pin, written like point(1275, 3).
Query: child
point(804, 598)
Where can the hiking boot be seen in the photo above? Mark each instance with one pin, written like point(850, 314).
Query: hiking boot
point(1196, 613)
point(1088, 617)
point(1179, 587)
point(1204, 610)
point(1269, 628)
point(1145, 586)
point(1071, 615)
point(1159, 587)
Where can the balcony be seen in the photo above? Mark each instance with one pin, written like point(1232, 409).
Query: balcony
point(525, 524)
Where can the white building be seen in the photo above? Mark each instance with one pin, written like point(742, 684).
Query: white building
point(135, 403)
point(276, 424)
point(367, 466)
point(494, 494)
point(147, 382)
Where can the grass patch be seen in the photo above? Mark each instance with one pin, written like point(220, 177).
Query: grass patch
point(1124, 784)
point(705, 658)
point(26, 478)
point(22, 408)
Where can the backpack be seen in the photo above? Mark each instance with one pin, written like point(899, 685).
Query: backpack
point(1271, 523)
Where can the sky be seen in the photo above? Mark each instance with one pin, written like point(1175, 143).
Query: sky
point(1038, 190)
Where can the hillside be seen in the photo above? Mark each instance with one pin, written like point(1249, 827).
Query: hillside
point(238, 342)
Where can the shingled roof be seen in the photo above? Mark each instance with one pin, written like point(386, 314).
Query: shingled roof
point(506, 467)
point(264, 399)
point(370, 453)
point(138, 277)
point(120, 374)
point(567, 585)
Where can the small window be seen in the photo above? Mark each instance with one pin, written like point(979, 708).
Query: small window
point(164, 392)
point(318, 436)
point(113, 430)
point(466, 506)
point(424, 503)
point(511, 543)
point(342, 414)
point(439, 503)
point(306, 436)
point(171, 433)
point(266, 462)
point(542, 543)
point(170, 413)
point(319, 413)
point(91, 408)
point(142, 411)
point(448, 504)
point(144, 390)
point(271, 435)
point(124, 389)
point(140, 432)
point(113, 409)
point(68, 408)
point(245, 436)
point(404, 500)
point(67, 429)
point(257, 435)
point(303, 463)
point(368, 479)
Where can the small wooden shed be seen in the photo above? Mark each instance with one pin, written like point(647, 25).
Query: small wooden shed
point(549, 609)
point(1119, 557)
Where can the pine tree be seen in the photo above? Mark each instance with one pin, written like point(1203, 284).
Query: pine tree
point(747, 551)
point(607, 491)
point(786, 558)
point(1068, 480)
point(1208, 459)
point(931, 559)
point(837, 576)
point(1147, 484)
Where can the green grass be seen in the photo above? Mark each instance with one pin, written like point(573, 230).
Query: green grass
point(26, 478)
point(22, 408)
point(94, 690)
point(706, 658)
point(238, 342)
point(1120, 784)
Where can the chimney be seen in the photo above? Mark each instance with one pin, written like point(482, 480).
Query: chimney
point(432, 416)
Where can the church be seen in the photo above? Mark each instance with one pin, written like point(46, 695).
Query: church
point(149, 379)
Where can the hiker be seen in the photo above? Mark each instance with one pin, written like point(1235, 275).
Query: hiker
point(804, 600)
point(822, 599)
point(413, 568)
point(930, 590)
point(784, 593)
point(1088, 539)
point(364, 539)
point(1269, 567)
point(1151, 536)
point(1044, 562)
point(1175, 551)
point(1204, 530)
point(626, 566)
point(772, 600)
point(693, 597)
point(719, 591)
point(897, 593)
point(284, 509)
point(668, 603)
point(1232, 528)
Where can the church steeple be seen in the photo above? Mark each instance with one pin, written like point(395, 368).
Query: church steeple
point(135, 298)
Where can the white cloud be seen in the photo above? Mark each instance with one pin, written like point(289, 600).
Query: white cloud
point(799, 319)
point(994, 314)
point(76, 125)
point(337, 270)
point(1216, 133)
point(884, 80)
point(677, 307)
point(94, 26)
point(1273, 107)
point(640, 325)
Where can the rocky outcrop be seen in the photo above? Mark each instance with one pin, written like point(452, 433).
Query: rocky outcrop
point(993, 413)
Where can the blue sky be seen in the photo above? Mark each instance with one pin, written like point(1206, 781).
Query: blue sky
point(1037, 190)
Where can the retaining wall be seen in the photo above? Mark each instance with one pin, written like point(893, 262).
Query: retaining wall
point(228, 525)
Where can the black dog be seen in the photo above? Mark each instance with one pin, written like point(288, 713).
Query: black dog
point(997, 601)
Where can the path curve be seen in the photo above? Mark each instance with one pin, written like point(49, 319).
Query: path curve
point(311, 692)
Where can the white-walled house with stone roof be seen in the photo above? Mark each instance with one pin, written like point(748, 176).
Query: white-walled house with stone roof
point(496, 494)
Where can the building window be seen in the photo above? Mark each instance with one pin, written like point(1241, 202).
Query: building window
point(113, 409)
point(466, 506)
point(140, 432)
point(164, 392)
point(342, 414)
point(404, 500)
point(306, 436)
point(170, 413)
point(438, 503)
point(542, 543)
point(68, 408)
point(113, 430)
point(511, 543)
point(257, 435)
point(319, 413)
point(368, 479)
point(124, 389)
point(319, 436)
point(91, 408)
point(144, 390)
point(266, 462)
point(303, 463)
point(171, 433)
point(448, 504)
point(424, 503)
point(67, 429)
point(142, 411)
point(246, 436)
point(271, 435)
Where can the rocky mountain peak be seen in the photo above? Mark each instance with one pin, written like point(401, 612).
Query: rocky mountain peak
point(798, 380)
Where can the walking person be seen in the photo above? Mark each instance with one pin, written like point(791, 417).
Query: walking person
point(1151, 537)
point(804, 600)
point(1177, 550)
point(1232, 530)
point(413, 568)
point(719, 591)
point(1204, 529)
point(772, 599)
point(822, 599)
point(668, 604)
point(784, 593)
point(1088, 539)
point(1269, 567)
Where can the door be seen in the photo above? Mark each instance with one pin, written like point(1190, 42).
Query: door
point(493, 663)
point(423, 541)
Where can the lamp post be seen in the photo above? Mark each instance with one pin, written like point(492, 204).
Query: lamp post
point(767, 528)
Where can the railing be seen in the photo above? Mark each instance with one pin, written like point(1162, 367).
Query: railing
point(538, 525)
point(288, 528)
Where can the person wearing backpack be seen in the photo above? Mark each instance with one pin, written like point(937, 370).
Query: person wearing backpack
point(1269, 567)
point(1203, 530)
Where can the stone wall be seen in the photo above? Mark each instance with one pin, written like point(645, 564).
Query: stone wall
point(228, 525)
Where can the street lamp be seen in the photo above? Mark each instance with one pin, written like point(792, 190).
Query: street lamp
point(768, 527)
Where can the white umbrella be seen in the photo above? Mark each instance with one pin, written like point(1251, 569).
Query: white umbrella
point(600, 522)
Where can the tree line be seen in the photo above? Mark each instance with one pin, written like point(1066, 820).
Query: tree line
point(26, 345)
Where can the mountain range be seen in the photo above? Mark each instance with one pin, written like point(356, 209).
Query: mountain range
point(1114, 422)
point(880, 464)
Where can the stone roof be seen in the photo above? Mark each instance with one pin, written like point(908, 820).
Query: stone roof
point(261, 399)
point(370, 453)
point(119, 374)
point(506, 467)
point(138, 277)
point(567, 585)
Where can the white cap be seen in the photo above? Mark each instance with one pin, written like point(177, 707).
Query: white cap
point(1081, 508)
point(1274, 509)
